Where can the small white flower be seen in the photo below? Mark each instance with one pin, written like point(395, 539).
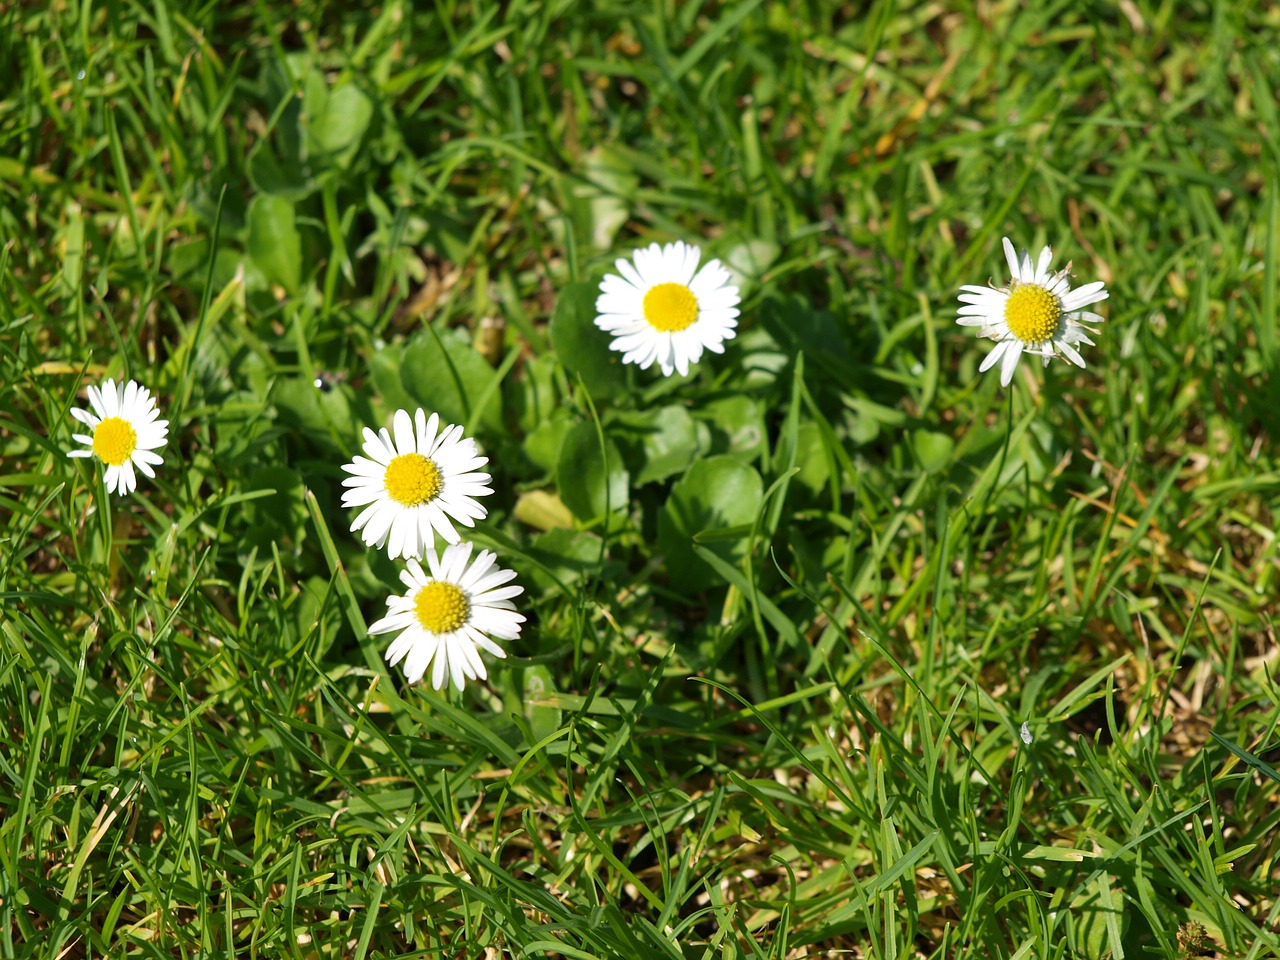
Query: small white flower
point(448, 615)
point(414, 484)
point(665, 309)
point(1037, 313)
point(127, 430)
point(1025, 733)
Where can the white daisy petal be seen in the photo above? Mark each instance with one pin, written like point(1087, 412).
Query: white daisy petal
point(1083, 296)
point(420, 656)
point(1011, 257)
point(377, 526)
point(1070, 352)
point(400, 646)
point(1010, 362)
point(125, 433)
point(663, 309)
point(456, 667)
point(110, 400)
point(375, 449)
point(990, 359)
point(416, 484)
point(1042, 266)
point(444, 623)
point(95, 401)
point(1037, 313)
point(406, 441)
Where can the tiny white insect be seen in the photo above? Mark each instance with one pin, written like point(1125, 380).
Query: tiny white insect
point(1025, 732)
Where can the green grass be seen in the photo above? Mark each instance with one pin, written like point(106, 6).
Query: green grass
point(786, 616)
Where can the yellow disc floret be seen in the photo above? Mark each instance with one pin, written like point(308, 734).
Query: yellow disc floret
point(412, 479)
point(670, 307)
point(441, 607)
point(114, 441)
point(1032, 313)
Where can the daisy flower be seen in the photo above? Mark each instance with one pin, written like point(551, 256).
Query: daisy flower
point(126, 431)
point(664, 309)
point(1037, 313)
point(448, 614)
point(415, 483)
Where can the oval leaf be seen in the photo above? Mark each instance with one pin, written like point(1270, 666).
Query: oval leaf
point(591, 485)
point(274, 244)
point(717, 494)
point(583, 347)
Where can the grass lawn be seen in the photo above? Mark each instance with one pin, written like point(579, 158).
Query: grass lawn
point(834, 647)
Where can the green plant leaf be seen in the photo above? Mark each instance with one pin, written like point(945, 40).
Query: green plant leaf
point(543, 444)
point(269, 175)
point(657, 443)
point(811, 456)
point(384, 367)
point(445, 374)
point(544, 719)
point(319, 412)
point(590, 485)
point(583, 347)
point(281, 516)
point(737, 426)
point(716, 494)
point(336, 121)
point(274, 244)
point(932, 449)
point(563, 558)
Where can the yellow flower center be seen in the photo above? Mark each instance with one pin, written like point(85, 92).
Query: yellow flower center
point(441, 607)
point(670, 307)
point(1032, 313)
point(412, 479)
point(114, 441)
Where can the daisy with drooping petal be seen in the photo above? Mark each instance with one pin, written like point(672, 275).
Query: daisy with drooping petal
point(1037, 313)
point(663, 308)
point(420, 481)
point(127, 430)
point(448, 615)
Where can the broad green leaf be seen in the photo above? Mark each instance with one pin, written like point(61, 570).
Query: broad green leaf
point(542, 510)
point(583, 347)
point(748, 260)
point(591, 485)
point(269, 175)
point(543, 444)
point(609, 187)
point(274, 244)
point(933, 450)
point(544, 719)
point(811, 456)
point(563, 558)
point(384, 367)
point(280, 517)
point(189, 264)
point(335, 121)
point(535, 395)
point(321, 413)
point(737, 426)
point(445, 374)
point(1095, 917)
point(716, 494)
point(657, 443)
